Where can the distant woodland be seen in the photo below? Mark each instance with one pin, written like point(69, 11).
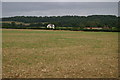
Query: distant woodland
point(106, 22)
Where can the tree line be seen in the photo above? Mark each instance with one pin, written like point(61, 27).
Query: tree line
point(76, 22)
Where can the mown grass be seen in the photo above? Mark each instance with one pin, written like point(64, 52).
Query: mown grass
point(59, 54)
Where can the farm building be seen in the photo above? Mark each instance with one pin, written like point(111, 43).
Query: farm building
point(51, 26)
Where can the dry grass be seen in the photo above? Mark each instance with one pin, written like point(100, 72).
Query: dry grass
point(15, 22)
point(59, 54)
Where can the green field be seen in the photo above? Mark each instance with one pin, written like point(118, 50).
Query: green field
point(59, 54)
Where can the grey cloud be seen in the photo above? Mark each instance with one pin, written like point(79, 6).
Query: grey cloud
point(58, 8)
point(60, 0)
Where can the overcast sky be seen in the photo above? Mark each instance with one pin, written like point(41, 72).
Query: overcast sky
point(59, 8)
point(59, 0)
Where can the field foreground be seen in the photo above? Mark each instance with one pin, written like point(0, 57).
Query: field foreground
point(59, 54)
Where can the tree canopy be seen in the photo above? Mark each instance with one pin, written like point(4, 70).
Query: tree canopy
point(67, 21)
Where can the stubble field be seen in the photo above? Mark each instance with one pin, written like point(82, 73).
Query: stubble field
point(59, 54)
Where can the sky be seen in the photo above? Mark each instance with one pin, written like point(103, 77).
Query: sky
point(59, 0)
point(58, 8)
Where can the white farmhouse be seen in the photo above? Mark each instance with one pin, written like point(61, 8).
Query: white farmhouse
point(51, 26)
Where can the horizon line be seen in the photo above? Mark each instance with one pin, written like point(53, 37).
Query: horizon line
point(62, 15)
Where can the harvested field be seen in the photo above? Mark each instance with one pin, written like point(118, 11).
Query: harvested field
point(59, 54)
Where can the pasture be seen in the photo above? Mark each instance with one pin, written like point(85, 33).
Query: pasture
point(59, 54)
